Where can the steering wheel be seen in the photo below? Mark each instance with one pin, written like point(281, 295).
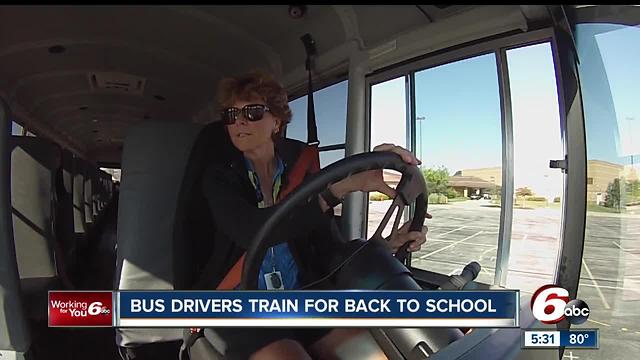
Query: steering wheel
point(395, 275)
point(410, 188)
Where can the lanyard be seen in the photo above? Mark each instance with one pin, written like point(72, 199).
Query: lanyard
point(277, 183)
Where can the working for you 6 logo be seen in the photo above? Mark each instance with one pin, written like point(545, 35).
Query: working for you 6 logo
point(86, 308)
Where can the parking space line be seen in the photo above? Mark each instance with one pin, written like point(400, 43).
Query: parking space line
point(486, 251)
point(448, 246)
point(454, 230)
point(484, 227)
point(625, 250)
point(612, 288)
point(604, 301)
point(599, 323)
point(488, 227)
point(452, 241)
point(570, 356)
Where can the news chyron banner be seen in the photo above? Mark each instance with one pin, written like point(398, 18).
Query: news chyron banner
point(197, 309)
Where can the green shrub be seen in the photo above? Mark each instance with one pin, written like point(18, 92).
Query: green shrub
point(556, 199)
point(437, 199)
point(535, 198)
point(377, 196)
point(451, 193)
point(613, 195)
point(525, 191)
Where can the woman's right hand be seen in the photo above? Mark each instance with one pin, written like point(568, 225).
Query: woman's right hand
point(372, 180)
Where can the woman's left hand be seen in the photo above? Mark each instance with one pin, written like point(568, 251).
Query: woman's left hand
point(372, 180)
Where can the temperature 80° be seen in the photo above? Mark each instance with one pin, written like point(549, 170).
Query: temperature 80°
point(578, 338)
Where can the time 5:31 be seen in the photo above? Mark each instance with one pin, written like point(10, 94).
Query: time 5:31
point(542, 339)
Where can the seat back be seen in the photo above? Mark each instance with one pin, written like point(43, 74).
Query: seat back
point(34, 163)
point(95, 196)
point(79, 224)
point(151, 255)
point(15, 339)
point(105, 185)
point(64, 223)
point(88, 194)
point(101, 189)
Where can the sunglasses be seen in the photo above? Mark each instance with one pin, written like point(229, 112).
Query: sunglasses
point(251, 112)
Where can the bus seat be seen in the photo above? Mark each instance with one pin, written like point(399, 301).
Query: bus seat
point(95, 185)
point(79, 225)
point(100, 195)
point(155, 254)
point(88, 195)
point(64, 208)
point(150, 252)
point(34, 162)
point(94, 193)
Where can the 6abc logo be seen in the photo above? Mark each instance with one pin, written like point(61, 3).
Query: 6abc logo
point(550, 304)
point(97, 308)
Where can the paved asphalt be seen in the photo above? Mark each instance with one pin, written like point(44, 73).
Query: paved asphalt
point(610, 275)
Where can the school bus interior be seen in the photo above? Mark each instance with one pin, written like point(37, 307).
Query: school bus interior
point(108, 117)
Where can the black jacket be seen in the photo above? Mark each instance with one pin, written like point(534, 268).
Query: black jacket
point(311, 234)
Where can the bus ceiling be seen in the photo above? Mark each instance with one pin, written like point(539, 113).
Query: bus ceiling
point(83, 75)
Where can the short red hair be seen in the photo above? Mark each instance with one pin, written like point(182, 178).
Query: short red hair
point(256, 86)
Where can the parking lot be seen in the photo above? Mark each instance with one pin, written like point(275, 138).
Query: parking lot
point(610, 277)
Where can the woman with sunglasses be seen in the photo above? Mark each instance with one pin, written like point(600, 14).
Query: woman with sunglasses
point(250, 175)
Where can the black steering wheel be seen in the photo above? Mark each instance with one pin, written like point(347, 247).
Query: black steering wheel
point(388, 273)
point(411, 188)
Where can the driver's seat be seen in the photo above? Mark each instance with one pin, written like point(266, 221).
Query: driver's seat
point(163, 221)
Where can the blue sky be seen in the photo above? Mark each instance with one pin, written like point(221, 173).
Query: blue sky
point(460, 104)
point(461, 108)
point(331, 113)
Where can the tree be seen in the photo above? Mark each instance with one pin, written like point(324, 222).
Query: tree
point(437, 179)
point(524, 191)
point(613, 194)
point(633, 190)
